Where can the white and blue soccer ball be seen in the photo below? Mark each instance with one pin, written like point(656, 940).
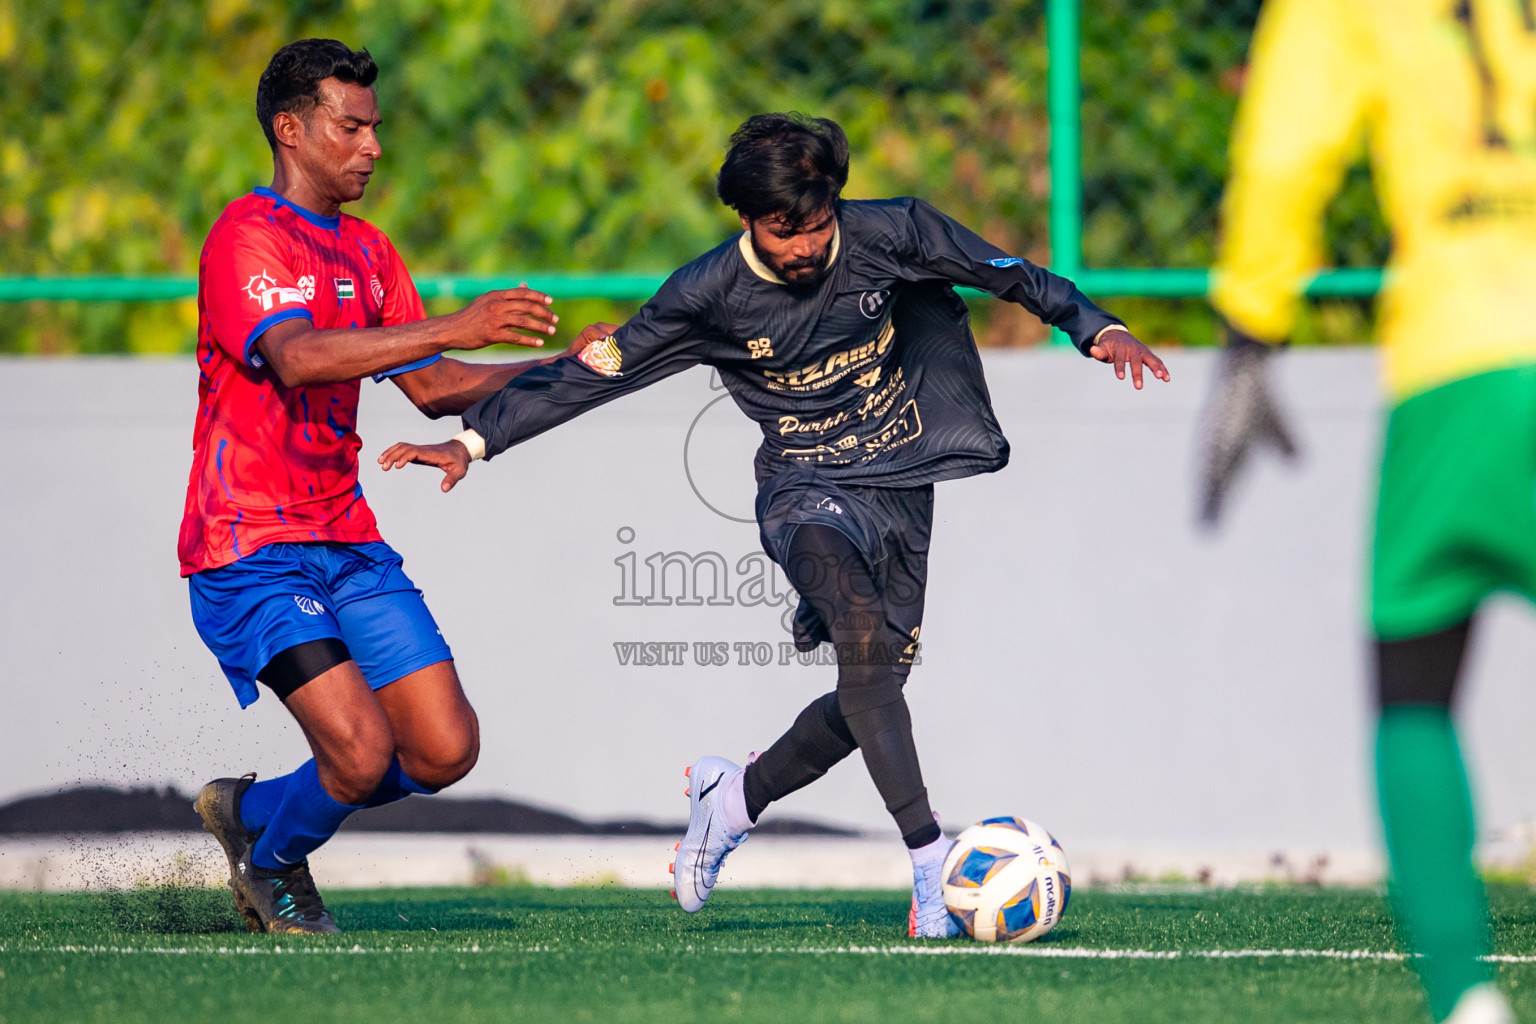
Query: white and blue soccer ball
point(1007, 880)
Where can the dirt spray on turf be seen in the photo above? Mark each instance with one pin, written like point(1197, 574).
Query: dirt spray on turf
point(139, 891)
point(169, 897)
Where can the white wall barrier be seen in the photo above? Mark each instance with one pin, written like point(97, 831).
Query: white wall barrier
point(1091, 658)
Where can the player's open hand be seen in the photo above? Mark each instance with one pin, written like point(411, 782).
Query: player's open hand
point(451, 457)
point(1122, 349)
point(516, 316)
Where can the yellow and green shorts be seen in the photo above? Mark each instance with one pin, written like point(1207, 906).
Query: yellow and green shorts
point(1456, 514)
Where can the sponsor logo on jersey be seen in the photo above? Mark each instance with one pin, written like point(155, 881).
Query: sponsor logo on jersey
point(1004, 262)
point(263, 289)
point(604, 356)
point(308, 605)
point(376, 289)
point(344, 287)
point(905, 428)
point(871, 303)
point(878, 403)
point(795, 425)
point(834, 367)
point(307, 286)
point(830, 506)
point(761, 348)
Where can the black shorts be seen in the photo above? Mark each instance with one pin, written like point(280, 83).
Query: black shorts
point(889, 526)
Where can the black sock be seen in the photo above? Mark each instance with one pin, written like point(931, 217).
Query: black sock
point(817, 741)
point(923, 836)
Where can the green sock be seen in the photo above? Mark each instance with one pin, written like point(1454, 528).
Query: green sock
point(1426, 807)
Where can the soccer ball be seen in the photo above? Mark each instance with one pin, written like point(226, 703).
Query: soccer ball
point(1006, 880)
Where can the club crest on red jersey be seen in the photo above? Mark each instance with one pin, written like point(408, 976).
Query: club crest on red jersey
point(264, 289)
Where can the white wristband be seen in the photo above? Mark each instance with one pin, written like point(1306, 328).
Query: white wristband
point(474, 442)
point(1111, 327)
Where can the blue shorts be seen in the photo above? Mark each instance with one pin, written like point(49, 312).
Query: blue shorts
point(282, 595)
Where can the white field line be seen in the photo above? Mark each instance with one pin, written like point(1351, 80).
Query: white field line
point(276, 950)
point(1080, 953)
point(1039, 952)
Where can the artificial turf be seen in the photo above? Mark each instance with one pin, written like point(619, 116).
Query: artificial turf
point(499, 954)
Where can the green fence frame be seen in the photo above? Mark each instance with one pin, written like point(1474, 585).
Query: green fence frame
point(457, 286)
point(1063, 20)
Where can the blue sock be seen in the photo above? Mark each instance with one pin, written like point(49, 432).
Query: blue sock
point(261, 799)
point(306, 818)
point(396, 785)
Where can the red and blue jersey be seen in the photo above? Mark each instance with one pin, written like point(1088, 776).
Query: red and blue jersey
point(271, 463)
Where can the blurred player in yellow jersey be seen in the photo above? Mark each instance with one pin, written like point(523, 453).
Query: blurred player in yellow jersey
point(1443, 93)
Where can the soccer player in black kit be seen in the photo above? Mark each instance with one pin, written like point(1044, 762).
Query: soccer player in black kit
point(834, 325)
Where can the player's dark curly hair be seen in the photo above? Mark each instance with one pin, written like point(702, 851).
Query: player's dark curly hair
point(292, 80)
point(786, 165)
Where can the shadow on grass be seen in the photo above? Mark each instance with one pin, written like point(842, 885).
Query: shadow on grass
point(1057, 935)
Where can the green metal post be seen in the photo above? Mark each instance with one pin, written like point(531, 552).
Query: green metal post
point(1064, 91)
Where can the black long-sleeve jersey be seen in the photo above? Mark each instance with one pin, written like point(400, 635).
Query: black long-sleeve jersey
point(870, 375)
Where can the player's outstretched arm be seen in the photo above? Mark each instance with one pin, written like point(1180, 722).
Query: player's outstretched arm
point(1121, 347)
point(448, 387)
point(303, 356)
point(452, 457)
point(667, 336)
point(940, 247)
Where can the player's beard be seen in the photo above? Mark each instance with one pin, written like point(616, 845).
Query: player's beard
point(817, 265)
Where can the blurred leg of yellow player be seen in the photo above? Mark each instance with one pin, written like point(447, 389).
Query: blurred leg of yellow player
point(1455, 522)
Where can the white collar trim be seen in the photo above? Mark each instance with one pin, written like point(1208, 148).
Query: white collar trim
point(762, 270)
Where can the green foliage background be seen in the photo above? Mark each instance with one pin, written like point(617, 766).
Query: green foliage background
point(584, 134)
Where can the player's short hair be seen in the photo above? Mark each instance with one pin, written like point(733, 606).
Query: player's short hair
point(292, 80)
point(786, 165)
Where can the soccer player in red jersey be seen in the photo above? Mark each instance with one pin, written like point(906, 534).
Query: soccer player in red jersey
point(291, 583)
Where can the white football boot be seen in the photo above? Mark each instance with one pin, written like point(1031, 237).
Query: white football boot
point(1482, 1004)
point(929, 918)
point(710, 836)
